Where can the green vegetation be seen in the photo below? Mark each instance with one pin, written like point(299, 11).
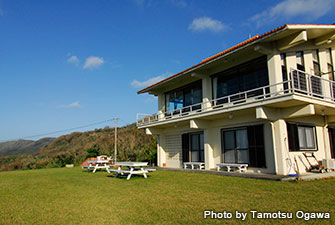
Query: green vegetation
point(72, 196)
point(133, 145)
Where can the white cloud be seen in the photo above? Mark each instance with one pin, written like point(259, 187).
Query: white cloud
point(140, 84)
point(179, 3)
point(73, 59)
point(72, 105)
point(308, 9)
point(206, 23)
point(93, 62)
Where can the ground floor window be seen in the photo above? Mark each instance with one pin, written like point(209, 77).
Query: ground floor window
point(301, 137)
point(244, 145)
point(193, 147)
point(331, 131)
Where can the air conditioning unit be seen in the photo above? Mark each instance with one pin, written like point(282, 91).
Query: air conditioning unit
point(329, 164)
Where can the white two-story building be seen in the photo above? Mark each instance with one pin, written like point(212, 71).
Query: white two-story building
point(263, 102)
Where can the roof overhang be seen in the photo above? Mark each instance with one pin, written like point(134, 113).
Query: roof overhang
point(294, 34)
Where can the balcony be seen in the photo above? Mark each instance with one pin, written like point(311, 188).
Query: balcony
point(299, 83)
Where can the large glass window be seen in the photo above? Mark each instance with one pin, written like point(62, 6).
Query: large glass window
point(315, 80)
point(301, 137)
point(244, 77)
point(244, 145)
point(185, 96)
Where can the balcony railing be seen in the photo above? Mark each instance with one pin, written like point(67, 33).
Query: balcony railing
point(299, 82)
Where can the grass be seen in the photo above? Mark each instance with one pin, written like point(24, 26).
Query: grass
point(71, 196)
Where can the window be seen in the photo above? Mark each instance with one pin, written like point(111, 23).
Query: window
point(244, 77)
point(244, 145)
point(301, 137)
point(315, 80)
point(331, 131)
point(283, 69)
point(185, 96)
point(330, 65)
point(299, 77)
point(193, 147)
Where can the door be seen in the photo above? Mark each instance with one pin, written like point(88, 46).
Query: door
point(236, 146)
point(197, 147)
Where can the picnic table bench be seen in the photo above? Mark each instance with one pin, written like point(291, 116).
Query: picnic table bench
point(199, 165)
point(230, 166)
point(133, 168)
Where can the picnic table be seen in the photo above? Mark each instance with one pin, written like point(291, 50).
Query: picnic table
point(98, 164)
point(130, 168)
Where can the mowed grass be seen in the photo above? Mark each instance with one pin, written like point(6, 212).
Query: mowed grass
point(72, 196)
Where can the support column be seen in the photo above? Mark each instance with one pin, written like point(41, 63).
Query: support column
point(324, 69)
point(280, 146)
point(206, 92)
point(208, 154)
point(161, 106)
point(275, 73)
point(161, 158)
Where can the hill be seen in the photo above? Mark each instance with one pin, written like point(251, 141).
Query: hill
point(133, 145)
point(23, 146)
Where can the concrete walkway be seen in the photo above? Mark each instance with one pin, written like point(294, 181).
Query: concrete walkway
point(262, 176)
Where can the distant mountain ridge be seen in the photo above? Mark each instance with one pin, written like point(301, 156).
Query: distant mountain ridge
point(23, 146)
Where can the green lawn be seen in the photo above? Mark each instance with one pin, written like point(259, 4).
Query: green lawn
point(71, 196)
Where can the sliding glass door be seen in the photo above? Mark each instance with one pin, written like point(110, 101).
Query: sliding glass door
point(244, 145)
point(193, 147)
point(236, 146)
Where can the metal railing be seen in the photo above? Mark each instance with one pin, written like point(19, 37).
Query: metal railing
point(300, 82)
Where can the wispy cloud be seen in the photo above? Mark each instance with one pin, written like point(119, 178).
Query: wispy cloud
point(140, 84)
point(207, 24)
point(179, 3)
point(308, 9)
point(73, 59)
point(72, 105)
point(93, 62)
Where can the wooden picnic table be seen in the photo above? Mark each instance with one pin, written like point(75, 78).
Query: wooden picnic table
point(132, 168)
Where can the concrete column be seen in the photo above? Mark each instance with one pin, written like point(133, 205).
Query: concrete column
point(280, 146)
point(309, 68)
point(209, 160)
point(161, 158)
point(161, 106)
point(324, 69)
point(275, 73)
point(206, 92)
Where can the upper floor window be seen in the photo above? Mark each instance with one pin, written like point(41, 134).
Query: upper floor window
point(184, 96)
point(241, 78)
point(316, 63)
point(300, 61)
point(330, 65)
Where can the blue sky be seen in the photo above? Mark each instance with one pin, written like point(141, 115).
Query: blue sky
point(65, 64)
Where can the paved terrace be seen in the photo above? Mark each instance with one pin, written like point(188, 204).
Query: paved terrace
point(262, 176)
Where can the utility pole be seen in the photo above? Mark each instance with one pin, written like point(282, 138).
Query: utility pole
point(115, 144)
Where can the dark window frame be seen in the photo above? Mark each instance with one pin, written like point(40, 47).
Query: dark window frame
point(227, 72)
point(259, 151)
point(184, 89)
point(294, 144)
point(187, 146)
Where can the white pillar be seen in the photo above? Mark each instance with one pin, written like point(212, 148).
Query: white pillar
point(161, 158)
point(275, 73)
point(280, 146)
point(161, 106)
point(208, 154)
point(206, 92)
point(324, 69)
